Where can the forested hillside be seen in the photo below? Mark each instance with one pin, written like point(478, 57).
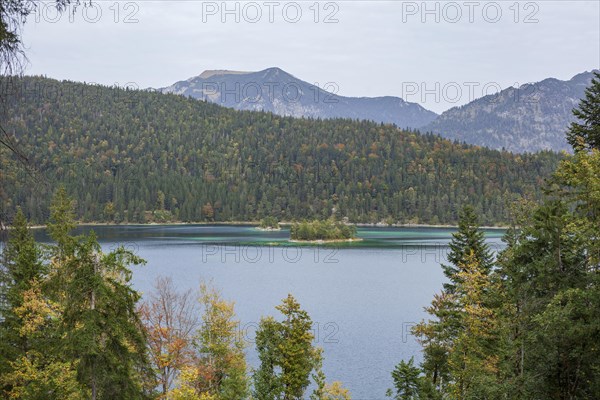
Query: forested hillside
point(136, 156)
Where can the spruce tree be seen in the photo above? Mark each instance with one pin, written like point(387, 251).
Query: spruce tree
point(407, 379)
point(101, 331)
point(32, 365)
point(468, 239)
point(547, 277)
point(267, 385)
point(286, 353)
point(585, 134)
point(21, 268)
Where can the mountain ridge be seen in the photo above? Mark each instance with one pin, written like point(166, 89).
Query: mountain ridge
point(280, 92)
point(532, 117)
point(528, 118)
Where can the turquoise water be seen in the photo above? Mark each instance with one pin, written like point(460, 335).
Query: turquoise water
point(363, 296)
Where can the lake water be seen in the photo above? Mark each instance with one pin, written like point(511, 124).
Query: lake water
point(363, 297)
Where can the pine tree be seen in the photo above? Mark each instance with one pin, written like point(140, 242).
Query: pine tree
point(441, 335)
point(32, 365)
point(62, 220)
point(297, 352)
point(475, 357)
point(323, 390)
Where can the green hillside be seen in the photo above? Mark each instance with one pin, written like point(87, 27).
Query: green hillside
point(136, 156)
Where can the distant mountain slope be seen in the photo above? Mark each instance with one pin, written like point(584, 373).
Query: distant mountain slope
point(531, 118)
point(139, 156)
point(277, 91)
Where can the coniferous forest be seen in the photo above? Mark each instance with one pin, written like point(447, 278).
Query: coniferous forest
point(141, 156)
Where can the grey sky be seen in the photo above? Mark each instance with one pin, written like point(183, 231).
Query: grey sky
point(375, 48)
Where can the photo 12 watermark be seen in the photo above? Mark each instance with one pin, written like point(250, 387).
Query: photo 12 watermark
point(453, 12)
point(323, 332)
point(270, 254)
point(436, 252)
point(252, 12)
point(235, 93)
point(466, 92)
point(118, 12)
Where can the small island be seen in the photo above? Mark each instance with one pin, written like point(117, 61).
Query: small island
point(322, 231)
point(269, 224)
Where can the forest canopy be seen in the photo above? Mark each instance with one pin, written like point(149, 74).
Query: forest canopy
point(141, 156)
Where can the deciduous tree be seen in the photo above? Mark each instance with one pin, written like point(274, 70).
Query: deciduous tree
point(170, 320)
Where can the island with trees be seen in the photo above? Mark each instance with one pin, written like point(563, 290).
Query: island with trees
point(322, 231)
point(269, 224)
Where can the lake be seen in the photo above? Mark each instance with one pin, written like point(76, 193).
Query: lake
point(363, 297)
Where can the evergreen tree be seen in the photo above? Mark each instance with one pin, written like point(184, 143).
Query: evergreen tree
point(468, 292)
point(475, 359)
point(407, 379)
point(31, 362)
point(286, 353)
point(469, 239)
point(101, 331)
point(266, 382)
point(297, 352)
point(437, 338)
point(318, 377)
point(547, 275)
point(585, 134)
point(21, 268)
point(323, 390)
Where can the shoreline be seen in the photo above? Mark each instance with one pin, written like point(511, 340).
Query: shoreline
point(256, 225)
point(321, 241)
point(258, 228)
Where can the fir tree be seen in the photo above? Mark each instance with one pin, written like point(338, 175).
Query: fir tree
point(406, 378)
point(468, 239)
point(585, 134)
point(21, 269)
point(286, 353)
point(101, 331)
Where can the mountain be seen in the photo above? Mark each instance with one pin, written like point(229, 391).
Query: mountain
point(276, 91)
point(139, 156)
point(529, 118)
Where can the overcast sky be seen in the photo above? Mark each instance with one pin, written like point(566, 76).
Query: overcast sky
point(438, 54)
